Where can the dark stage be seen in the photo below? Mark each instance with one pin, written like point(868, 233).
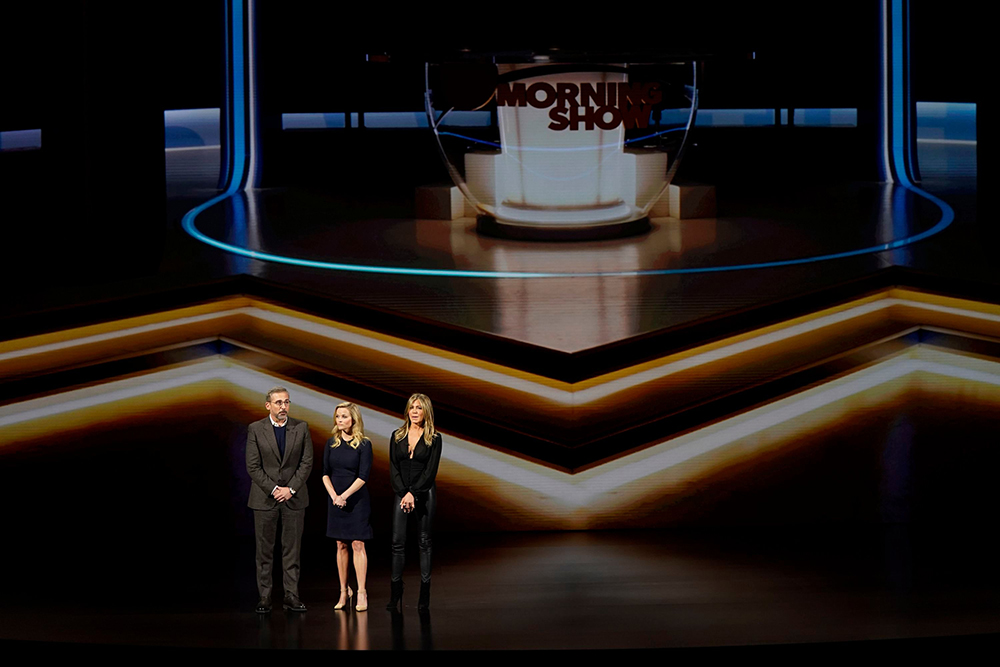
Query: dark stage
point(585, 591)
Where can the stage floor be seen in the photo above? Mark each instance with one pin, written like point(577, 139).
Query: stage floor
point(596, 590)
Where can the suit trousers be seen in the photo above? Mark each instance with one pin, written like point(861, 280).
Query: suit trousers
point(266, 527)
point(423, 509)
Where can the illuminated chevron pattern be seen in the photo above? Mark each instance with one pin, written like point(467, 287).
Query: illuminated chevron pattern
point(795, 378)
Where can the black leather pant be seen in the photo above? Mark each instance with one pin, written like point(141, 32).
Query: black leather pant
point(423, 510)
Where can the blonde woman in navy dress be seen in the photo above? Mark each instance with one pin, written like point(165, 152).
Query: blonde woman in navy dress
point(414, 455)
point(347, 462)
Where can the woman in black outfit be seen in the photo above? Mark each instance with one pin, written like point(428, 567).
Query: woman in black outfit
point(347, 462)
point(414, 454)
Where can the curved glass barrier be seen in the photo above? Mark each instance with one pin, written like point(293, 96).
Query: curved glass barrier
point(568, 150)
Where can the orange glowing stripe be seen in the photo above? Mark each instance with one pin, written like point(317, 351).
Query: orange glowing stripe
point(225, 318)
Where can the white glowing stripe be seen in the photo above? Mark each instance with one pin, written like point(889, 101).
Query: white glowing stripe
point(603, 390)
point(959, 372)
point(550, 483)
point(456, 449)
point(410, 354)
point(81, 399)
point(306, 398)
point(607, 388)
point(216, 368)
point(746, 425)
point(651, 461)
point(468, 370)
point(580, 397)
point(461, 452)
point(177, 149)
point(326, 331)
point(377, 423)
point(960, 142)
point(951, 310)
point(112, 335)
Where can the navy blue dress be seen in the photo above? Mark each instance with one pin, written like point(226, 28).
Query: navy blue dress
point(343, 465)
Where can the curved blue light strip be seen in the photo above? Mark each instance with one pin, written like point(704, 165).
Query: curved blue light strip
point(947, 216)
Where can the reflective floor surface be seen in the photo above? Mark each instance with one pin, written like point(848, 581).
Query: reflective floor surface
point(582, 591)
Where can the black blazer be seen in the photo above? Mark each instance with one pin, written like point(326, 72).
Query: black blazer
point(414, 475)
point(268, 469)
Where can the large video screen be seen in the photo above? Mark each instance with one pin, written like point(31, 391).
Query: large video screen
point(704, 279)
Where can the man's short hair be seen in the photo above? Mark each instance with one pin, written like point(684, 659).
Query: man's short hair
point(275, 390)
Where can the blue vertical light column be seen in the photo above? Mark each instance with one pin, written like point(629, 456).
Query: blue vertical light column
point(252, 179)
point(896, 164)
point(238, 155)
point(225, 125)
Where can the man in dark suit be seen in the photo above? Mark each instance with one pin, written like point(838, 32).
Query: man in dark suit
point(279, 460)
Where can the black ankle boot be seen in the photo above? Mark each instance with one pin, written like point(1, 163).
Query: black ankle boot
point(395, 594)
point(424, 601)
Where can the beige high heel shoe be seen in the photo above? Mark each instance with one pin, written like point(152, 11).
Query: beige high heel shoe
point(341, 605)
point(358, 607)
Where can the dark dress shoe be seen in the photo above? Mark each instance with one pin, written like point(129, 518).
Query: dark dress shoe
point(293, 603)
point(263, 606)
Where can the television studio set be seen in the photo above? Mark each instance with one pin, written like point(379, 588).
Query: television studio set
point(692, 309)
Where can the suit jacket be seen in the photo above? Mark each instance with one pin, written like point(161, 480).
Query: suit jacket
point(267, 468)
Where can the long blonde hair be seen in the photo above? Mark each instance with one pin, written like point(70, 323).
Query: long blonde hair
point(429, 431)
point(357, 426)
